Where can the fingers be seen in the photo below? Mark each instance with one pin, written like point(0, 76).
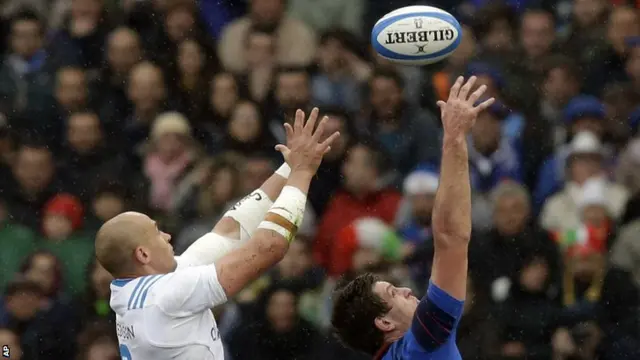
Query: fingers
point(317, 135)
point(327, 143)
point(477, 94)
point(464, 91)
point(288, 130)
point(298, 124)
point(483, 105)
point(283, 150)
point(311, 122)
point(441, 104)
point(455, 89)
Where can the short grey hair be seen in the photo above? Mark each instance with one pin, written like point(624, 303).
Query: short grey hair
point(509, 188)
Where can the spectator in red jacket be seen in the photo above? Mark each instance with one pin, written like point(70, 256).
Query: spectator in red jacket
point(363, 193)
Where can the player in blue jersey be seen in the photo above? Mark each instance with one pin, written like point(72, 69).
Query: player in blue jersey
point(390, 323)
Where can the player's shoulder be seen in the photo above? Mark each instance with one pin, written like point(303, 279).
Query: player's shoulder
point(134, 293)
point(407, 348)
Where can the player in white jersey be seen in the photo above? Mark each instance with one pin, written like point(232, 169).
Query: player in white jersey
point(162, 303)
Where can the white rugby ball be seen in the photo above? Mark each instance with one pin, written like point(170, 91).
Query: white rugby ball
point(416, 35)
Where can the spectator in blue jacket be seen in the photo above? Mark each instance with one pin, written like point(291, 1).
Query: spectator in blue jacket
point(582, 113)
point(492, 155)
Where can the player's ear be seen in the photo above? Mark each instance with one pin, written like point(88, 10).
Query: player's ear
point(383, 324)
point(142, 255)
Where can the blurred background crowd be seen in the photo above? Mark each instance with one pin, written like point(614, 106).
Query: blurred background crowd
point(172, 107)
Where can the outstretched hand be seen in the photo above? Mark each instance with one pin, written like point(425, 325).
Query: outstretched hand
point(304, 150)
point(459, 112)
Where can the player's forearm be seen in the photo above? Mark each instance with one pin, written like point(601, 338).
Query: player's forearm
point(270, 242)
point(452, 209)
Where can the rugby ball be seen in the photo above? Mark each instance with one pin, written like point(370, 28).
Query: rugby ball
point(416, 35)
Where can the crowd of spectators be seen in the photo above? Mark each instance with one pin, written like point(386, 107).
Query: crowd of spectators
point(172, 107)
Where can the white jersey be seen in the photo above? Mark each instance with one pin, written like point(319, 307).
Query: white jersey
point(169, 316)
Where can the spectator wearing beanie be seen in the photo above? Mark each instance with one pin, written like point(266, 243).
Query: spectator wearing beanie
point(414, 222)
point(365, 242)
point(171, 156)
point(585, 163)
point(61, 225)
point(582, 113)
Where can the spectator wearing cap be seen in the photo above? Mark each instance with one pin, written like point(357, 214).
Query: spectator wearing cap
point(495, 81)
point(582, 113)
point(295, 41)
point(414, 222)
point(62, 236)
point(171, 157)
point(419, 193)
point(585, 161)
point(492, 156)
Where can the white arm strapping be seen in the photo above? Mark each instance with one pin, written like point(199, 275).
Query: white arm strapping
point(249, 212)
point(208, 249)
point(290, 205)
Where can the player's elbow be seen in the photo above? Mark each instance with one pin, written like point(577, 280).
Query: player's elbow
point(274, 245)
point(451, 226)
point(446, 235)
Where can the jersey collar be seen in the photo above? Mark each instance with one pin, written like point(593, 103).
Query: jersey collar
point(121, 282)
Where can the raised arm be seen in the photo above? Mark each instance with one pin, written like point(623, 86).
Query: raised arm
point(270, 242)
point(452, 208)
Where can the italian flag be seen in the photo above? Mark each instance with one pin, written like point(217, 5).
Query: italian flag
point(584, 240)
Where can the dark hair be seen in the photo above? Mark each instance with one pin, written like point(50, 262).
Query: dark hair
point(283, 70)
point(22, 286)
point(355, 309)
point(539, 11)
point(388, 73)
point(563, 63)
point(33, 142)
point(93, 333)
point(109, 187)
point(488, 15)
point(28, 15)
point(57, 270)
point(379, 156)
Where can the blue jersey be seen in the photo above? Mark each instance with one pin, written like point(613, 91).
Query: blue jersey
point(432, 335)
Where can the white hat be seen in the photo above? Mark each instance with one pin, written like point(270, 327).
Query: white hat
point(170, 123)
point(585, 142)
point(420, 182)
point(593, 193)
